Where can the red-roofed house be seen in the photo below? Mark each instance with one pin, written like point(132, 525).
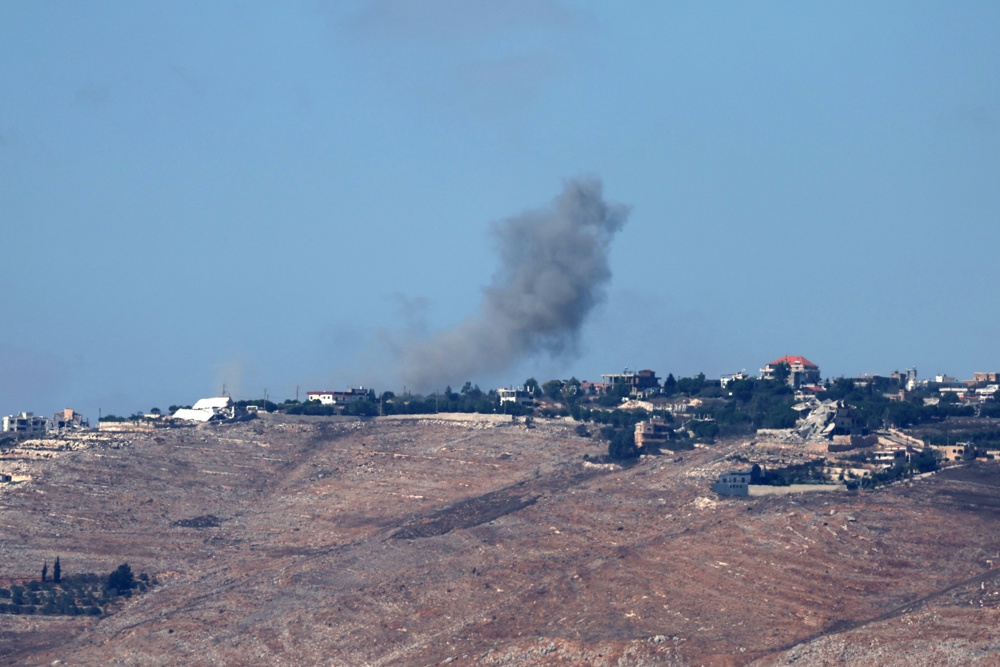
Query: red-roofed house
point(800, 370)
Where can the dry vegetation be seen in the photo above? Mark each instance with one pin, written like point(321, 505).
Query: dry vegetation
point(426, 542)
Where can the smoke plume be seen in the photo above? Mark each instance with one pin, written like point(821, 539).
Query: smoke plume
point(553, 269)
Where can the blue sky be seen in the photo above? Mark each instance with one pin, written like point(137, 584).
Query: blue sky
point(274, 195)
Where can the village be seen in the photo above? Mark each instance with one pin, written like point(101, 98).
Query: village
point(804, 433)
point(635, 516)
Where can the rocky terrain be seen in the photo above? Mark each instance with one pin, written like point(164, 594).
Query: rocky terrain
point(466, 542)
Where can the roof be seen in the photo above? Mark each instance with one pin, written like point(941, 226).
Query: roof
point(793, 360)
point(216, 403)
point(193, 415)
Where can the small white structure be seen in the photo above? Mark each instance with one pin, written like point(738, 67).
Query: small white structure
point(207, 409)
point(726, 380)
point(733, 484)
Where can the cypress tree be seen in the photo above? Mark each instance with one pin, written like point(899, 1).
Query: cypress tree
point(56, 571)
point(45, 570)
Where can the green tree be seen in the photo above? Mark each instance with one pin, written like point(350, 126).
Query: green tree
point(670, 385)
point(691, 386)
point(57, 571)
point(622, 446)
point(780, 415)
point(782, 371)
point(840, 388)
point(552, 389)
point(571, 390)
point(742, 390)
point(902, 414)
point(471, 392)
point(121, 580)
point(706, 430)
point(45, 571)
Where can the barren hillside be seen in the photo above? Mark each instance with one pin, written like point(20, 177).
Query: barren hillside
point(427, 541)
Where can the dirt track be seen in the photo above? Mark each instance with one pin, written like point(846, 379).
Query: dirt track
point(413, 542)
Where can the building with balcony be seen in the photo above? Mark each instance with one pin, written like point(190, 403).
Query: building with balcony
point(26, 423)
point(640, 383)
point(801, 371)
point(651, 435)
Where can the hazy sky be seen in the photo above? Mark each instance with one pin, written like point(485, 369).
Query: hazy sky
point(273, 195)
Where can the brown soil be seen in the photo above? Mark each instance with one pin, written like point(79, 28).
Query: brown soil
point(426, 542)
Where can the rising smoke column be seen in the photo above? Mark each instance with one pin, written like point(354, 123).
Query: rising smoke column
point(553, 269)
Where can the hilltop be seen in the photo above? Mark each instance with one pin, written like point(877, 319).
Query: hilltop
point(479, 541)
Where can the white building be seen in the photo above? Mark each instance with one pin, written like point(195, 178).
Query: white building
point(206, 409)
point(520, 395)
point(733, 484)
point(337, 397)
point(26, 423)
point(726, 380)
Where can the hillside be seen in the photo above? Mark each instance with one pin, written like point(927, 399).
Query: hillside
point(463, 542)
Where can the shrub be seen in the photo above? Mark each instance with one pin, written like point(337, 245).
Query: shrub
point(121, 580)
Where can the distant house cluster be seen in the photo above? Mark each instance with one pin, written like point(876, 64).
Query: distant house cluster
point(29, 424)
point(897, 386)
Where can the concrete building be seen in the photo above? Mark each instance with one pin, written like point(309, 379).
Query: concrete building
point(989, 391)
point(801, 371)
point(68, 419)
point(889, 457)
point(954, 452)
point(639, 383)
point(733, 484)
point(847, 421)
point(518, 395)
point(651, 435)
point(593, 388)
point(337, 397)
point(26, 423)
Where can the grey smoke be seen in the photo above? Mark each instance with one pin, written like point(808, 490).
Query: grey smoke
point(553, 270)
